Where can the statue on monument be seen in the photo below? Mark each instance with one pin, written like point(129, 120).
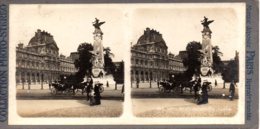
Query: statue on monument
point(97, 24)
point(205, 22)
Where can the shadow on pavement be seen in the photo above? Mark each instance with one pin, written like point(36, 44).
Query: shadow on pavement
point(192, 100)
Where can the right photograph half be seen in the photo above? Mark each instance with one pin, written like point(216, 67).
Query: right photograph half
point(188, 61)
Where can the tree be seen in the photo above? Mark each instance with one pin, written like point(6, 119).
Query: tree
point(231, 70)
point(109, 65)
point(119, 74)
point(218, 65)
point(192, 61)
point(84, 63)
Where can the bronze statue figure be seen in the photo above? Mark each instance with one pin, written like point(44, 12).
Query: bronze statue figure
point(206, 23)
point(97, 24)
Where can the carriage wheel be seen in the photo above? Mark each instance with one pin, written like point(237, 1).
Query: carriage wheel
point(209, 88)
point(192, 88)
point(101, 89)
point(161, 89)
point(68, 92)
point(168, 91)
point(53, 91)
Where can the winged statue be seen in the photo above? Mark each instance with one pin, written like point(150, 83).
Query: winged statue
point(205, 22)
point(97, 24)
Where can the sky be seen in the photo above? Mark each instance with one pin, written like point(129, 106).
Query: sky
point(70, 25)
point(182, 24)
point(178, 23)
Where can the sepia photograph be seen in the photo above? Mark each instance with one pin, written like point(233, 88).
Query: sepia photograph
point(67, 64)
point(185, 62)
point(127, 64)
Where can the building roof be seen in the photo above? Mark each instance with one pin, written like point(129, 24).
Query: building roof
point(42, 38)
point(151, 36)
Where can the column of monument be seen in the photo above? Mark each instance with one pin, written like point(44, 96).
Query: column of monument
point(98, 62)
point(207, 60)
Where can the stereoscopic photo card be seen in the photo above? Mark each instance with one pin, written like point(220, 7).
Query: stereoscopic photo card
point(149, 65)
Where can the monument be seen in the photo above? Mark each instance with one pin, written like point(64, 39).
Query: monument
point(98, 61)
point(207, 59)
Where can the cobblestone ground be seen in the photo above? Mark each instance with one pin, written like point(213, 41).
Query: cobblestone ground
point(179, 107)
point(38, 102)
point(68, 108)
point(149, 102)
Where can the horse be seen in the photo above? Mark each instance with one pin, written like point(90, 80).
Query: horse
point(80, 86)
point(187, 84)
point(166, 87)
point(58, 87)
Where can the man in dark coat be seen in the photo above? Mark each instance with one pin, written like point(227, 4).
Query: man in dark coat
point(197, 87)
point(89, 86)
point(232, 90)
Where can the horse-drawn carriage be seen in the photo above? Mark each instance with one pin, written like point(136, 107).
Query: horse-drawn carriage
point(166, 87)
point(71, 88)
point(181, 86)
point(60, 88)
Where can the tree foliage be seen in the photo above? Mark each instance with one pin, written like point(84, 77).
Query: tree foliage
point(119, 73)
point(192, 60)
point(84, 63)
point(231, 70)
point(109, 65)
point(218, 65)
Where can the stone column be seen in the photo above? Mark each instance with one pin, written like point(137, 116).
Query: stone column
point(98, 62)
point(29, 80)
point(207, 59)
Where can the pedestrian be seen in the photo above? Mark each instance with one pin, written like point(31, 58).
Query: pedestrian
point(196, 90)
point(89, 87)
point(150, 83)
point(23, 83)
point(232, 90)
point(137, 83)
point(123, 89)
point(107, 84)
point(97, 94)
point(91, 97)
point(203, 99)
point(216, 83)
point(29, 84)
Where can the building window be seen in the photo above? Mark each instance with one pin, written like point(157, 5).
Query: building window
point(137, 61)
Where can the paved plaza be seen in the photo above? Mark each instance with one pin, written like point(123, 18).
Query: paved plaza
point(68, 108)
point(61, 105)
point(181, 105)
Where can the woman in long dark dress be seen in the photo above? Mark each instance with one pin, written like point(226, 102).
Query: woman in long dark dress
point(204, 94)
point(97, 94)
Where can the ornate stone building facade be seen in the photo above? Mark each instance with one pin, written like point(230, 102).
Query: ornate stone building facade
point(40, 61)
point(150, 59)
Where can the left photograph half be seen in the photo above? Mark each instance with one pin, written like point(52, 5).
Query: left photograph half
point(66, 61)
